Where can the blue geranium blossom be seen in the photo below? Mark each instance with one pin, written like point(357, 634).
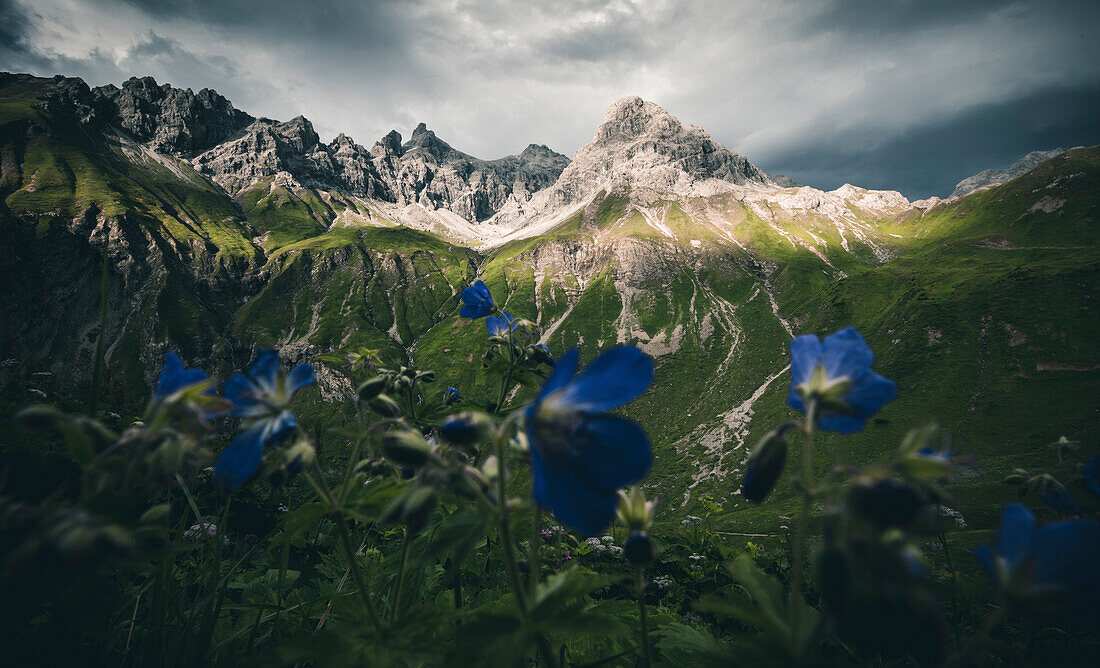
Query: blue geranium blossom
point(476, 301)
point(1091, 474)
point(1057, 497)
point(263, 397)
point(500, 325)
point(580, 456)
point(173, 377)
point(1053, 567)
point(839, 371)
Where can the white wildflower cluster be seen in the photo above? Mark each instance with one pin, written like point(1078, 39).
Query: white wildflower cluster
point(282, 508)
point(692, 617)
point(696, 557)
point(953, 515)
point(691, 520)
point(595, 544)
point(662, 582)
point(615, 550)
point(203, 531)
point(607, 539)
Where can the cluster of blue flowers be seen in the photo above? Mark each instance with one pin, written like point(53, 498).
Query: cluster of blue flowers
point(262, 397)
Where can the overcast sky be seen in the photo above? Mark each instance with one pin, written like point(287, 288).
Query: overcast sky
point(902, 94)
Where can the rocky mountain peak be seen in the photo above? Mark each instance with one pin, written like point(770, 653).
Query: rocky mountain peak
point(388, 145)
point(992, 177)
point(426, 140)
point(642, 150)
point(171, 120)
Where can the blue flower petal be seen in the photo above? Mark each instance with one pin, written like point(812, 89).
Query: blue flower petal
point(587, 509)
point(265, 370)
point(869, 393)
point(240, 460)
point(1091, 473)
point(841, 424)
point(617, 376)
point(805, 355)
point(279, 426)
point(173, 377)
point(243, 394)
point(299, 377)
point(988, 559)
point(477, 302)
point(1068, 556)
point(845, 353)
point(563, 372)
point(1017, 534)
point(1059, 499)
point(611, 452)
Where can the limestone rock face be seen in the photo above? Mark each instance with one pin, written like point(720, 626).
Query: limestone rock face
point(641, 149)
point(992, 177)
point(171, 120)
point(427, 171)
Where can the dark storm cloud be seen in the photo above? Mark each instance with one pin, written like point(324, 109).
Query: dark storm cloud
point(889, 93)
point(931, 159)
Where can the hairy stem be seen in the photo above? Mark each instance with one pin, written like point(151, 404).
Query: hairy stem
point(639, 590)
point(799, 547)
point(401, 575)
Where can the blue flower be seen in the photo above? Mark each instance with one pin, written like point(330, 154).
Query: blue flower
point(1055, 567)
point(1055, 495)
point(477, 302)
point(263, 396)
point(451, 395)
point(173, 377)
point(838, 373)
point(581, 456)
point(1091, 473)
point(500, 325)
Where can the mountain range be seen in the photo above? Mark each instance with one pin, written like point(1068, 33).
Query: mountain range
point(223, 233)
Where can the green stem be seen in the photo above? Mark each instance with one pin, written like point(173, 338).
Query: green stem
point(321, 489)
point(795, 603)
point(639, 589)
point(507, 374)
point(506, 546)
point(536, 544)
point(401, 576)
point(360, 583)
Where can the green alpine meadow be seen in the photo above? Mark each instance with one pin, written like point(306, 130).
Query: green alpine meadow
point(267, 400)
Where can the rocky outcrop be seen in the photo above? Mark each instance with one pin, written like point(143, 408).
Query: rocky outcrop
point(992, 177)
point(172, 120)
point(427, 171)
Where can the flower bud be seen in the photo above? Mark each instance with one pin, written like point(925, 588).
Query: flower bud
point(634, 511)
point(157, 513)
point(411, 509)
point(426, 376)
point(540, 353)
point(764, 466)
point(639, 550)
point(465, 428)
point(887, 503)
point(299, 457)
point(385, 406)
point(40, 417)
point(372, 387)
point(407, 448)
